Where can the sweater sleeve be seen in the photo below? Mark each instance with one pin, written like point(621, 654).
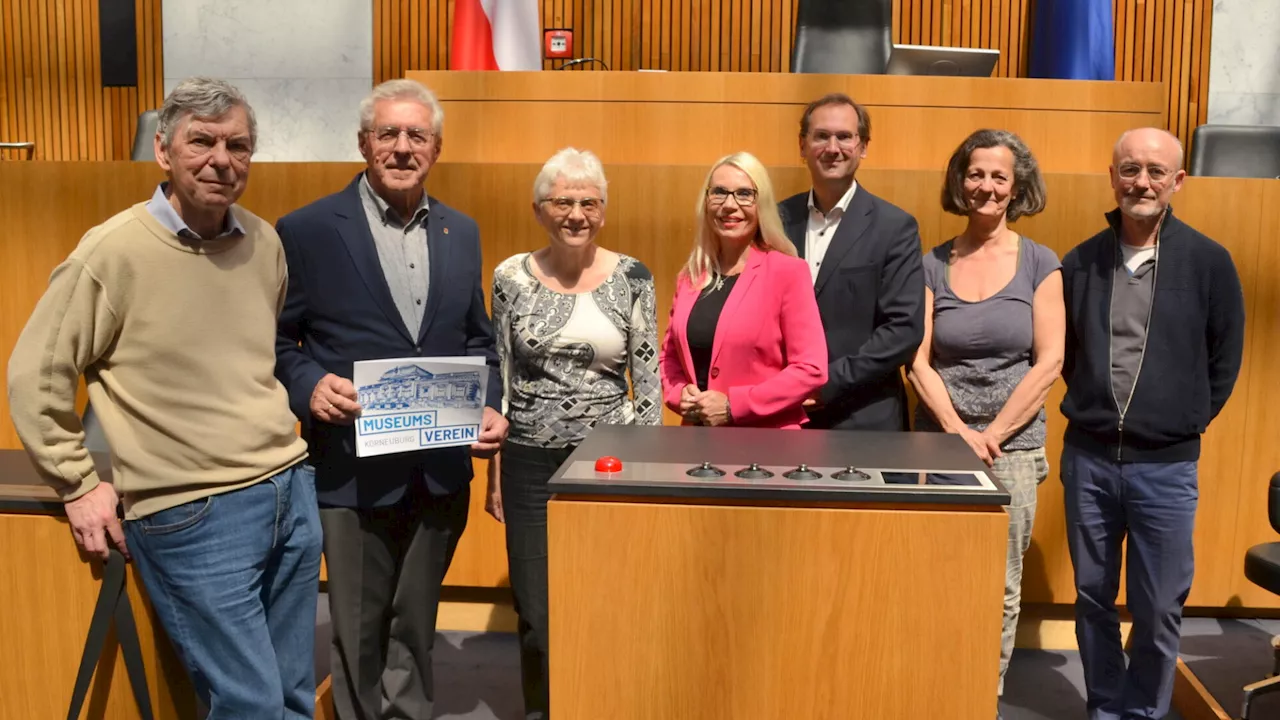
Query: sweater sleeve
point(1225, 333)
point(72, 326)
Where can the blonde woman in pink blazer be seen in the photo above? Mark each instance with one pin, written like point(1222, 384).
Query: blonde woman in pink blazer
point(744, 342)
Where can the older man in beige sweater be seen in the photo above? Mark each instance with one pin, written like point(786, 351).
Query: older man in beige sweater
point(168, 310)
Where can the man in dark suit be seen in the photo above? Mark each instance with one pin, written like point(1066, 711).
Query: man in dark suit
point(380, 270)
point(864, 256)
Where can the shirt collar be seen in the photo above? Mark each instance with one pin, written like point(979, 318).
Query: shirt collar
point(383, 209)
point(842, 203)
point(164, 213)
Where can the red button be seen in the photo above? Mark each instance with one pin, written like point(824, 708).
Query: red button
point(715, 372)
point(608, 464)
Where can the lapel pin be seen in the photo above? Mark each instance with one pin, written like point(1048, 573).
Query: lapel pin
point(446, 231)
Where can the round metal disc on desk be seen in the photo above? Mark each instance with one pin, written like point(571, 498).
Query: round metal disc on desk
point(706, 469)
point(802, 473)
point(851, 474)
point(754, 472)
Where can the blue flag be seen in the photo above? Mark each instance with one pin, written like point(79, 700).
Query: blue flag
point(1073, 40)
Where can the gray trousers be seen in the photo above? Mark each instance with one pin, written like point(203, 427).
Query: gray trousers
point(385, 568)
point(1021, 472)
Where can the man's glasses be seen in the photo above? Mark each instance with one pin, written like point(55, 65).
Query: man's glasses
point(745, 197)
point(1131, 171)
point(389, 135)
point(591, 207)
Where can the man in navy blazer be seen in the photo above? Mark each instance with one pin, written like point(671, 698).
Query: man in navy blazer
point(865, 259)
point(380, 270)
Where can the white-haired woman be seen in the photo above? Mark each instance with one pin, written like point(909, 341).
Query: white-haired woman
point(744, 344)
point(572, 320)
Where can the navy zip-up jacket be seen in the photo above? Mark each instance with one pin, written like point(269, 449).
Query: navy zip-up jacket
point(1194, 345)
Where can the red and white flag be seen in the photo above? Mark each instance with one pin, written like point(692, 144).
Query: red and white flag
point(496, 35)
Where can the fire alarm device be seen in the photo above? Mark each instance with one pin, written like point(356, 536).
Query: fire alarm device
point(558, 43)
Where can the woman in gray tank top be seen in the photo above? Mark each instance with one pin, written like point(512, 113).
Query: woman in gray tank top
point(994, 334)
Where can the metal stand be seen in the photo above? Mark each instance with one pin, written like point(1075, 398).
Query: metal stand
point(113, 604)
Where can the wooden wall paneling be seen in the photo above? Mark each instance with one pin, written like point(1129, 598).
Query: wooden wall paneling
point(1261, 452)
point(649, 218)
point(1230, 215)
point(52, 92)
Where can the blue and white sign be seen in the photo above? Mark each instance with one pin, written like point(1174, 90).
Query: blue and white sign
point(412, 404)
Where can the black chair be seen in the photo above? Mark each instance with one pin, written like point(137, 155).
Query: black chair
point(144, 146)
point(1262, 567)
point(1242, 151)
point(843, 36)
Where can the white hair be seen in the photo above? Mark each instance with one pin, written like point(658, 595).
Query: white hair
point(574, 166)
point(402, 89)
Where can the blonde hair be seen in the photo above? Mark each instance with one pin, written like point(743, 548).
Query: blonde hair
point(703, 265)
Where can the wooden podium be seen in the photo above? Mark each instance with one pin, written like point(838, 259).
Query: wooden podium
point(674, 597)
point(50, 595)
point(694, 118)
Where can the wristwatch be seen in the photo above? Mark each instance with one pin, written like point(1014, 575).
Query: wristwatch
point(728, 412)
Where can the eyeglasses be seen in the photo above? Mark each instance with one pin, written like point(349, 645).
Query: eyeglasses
point(591, 207)
point(389, 135)
point(745, 197)
point(820, 138)
point(1131, 171)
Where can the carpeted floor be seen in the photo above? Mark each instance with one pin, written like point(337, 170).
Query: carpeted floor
point(478, 674)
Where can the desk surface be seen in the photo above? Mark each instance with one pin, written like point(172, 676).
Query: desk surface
point(929, 468)
point(22, 490)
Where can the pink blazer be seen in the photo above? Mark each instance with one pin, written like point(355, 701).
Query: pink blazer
point(770, 352)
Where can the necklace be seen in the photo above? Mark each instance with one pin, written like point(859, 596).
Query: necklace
point(719, 284)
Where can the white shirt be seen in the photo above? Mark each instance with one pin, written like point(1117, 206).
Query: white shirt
point(821, 228)
point(1135, 257)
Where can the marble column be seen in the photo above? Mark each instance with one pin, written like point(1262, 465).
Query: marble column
point(304, 66)
point(1244, 63)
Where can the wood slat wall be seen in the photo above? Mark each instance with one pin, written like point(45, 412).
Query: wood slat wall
point(649, 218)
point(1156, 40)
point(51, 80)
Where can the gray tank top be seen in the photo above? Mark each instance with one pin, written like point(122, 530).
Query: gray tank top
point(982, 349)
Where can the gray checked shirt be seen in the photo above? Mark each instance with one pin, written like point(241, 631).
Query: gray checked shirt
point(402, 252)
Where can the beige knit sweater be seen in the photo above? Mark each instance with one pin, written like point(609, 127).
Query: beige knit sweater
point(176, 340)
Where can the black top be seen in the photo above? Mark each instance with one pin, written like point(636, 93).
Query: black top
point(730, 448)
point(701, 330)
point(1195, 342)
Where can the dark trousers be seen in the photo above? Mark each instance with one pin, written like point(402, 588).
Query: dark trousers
point(1154, 504)
point(386, 566)
point(525, 472)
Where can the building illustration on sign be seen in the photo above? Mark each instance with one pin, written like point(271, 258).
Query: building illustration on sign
point(410, 387)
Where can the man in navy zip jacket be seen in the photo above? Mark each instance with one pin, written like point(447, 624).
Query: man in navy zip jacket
point(1155, 334)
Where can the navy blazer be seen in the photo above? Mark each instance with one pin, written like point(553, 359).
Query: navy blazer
point(871, 298)
point(339, 309)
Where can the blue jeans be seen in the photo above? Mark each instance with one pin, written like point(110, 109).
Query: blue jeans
point(234, 580)
point(1154, 504)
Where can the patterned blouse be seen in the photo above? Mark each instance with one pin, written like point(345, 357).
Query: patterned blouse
point(565, 357)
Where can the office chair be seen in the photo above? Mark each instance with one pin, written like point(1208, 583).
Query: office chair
point(144, 146)
point(1244, 151)
point(843, 36)
point(1262, 567)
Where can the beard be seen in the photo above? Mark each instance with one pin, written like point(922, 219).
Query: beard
point(1135, 208)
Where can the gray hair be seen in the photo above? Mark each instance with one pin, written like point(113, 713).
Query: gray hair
point(402, 89)
point(579, 167)
point(1029, 194)
point(203, 98)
